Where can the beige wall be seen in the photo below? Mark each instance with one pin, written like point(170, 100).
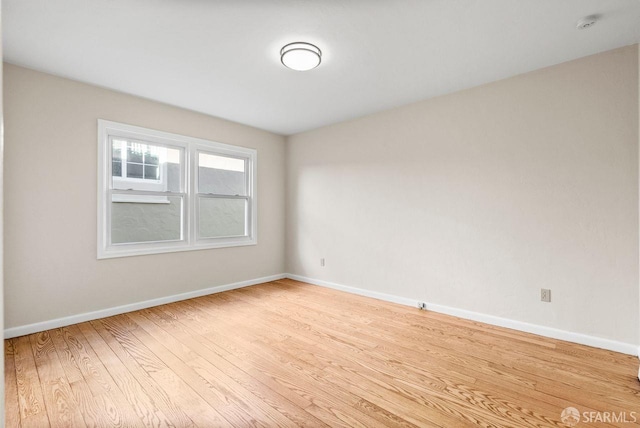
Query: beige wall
point(50, 218)
point(478, 199)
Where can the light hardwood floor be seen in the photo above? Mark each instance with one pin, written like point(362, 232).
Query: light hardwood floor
point(287, 353)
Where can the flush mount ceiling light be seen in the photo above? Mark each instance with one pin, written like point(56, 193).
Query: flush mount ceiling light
point(300, 56)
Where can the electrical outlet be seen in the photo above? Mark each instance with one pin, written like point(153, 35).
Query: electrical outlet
point(422, 306)
point(545, 295)
point(322, 262)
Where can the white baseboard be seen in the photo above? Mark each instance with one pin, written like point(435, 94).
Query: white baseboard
point(569, 336)
point(612, 345)
point(354, 290)
point(103, 313)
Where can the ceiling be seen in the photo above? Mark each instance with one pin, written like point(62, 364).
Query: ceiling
point(221, 57)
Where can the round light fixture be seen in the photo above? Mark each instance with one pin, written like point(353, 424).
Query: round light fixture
point(300, 56)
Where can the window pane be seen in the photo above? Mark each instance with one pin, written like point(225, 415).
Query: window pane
point(172, 173)
point(222, 217)
point(221, 175)
point(151, 159)
point(117, 149)
point(151, 172)
point(134, 170)
point(145, 218)
point(135, 152)
point(116, 168)
point(147, 167)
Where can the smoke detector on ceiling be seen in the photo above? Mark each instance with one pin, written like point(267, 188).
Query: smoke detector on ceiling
point(587, 22)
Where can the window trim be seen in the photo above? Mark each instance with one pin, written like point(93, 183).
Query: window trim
point(190, 146)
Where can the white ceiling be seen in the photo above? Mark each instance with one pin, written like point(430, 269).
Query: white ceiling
point(220, 57)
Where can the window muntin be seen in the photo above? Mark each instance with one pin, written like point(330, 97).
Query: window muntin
point(164, 192)
point(136, 161)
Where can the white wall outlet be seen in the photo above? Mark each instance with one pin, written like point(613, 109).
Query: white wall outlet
point(422, 306)
point(545, 295)
point(322, 262)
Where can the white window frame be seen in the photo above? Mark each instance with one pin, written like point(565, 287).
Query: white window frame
point(190, 146)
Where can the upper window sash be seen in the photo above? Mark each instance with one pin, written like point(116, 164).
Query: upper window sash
point(219, 173)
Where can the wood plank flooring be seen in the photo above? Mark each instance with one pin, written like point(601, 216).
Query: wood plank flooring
point(286, 353)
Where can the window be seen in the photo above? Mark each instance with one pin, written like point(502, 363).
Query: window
point(162, 192)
